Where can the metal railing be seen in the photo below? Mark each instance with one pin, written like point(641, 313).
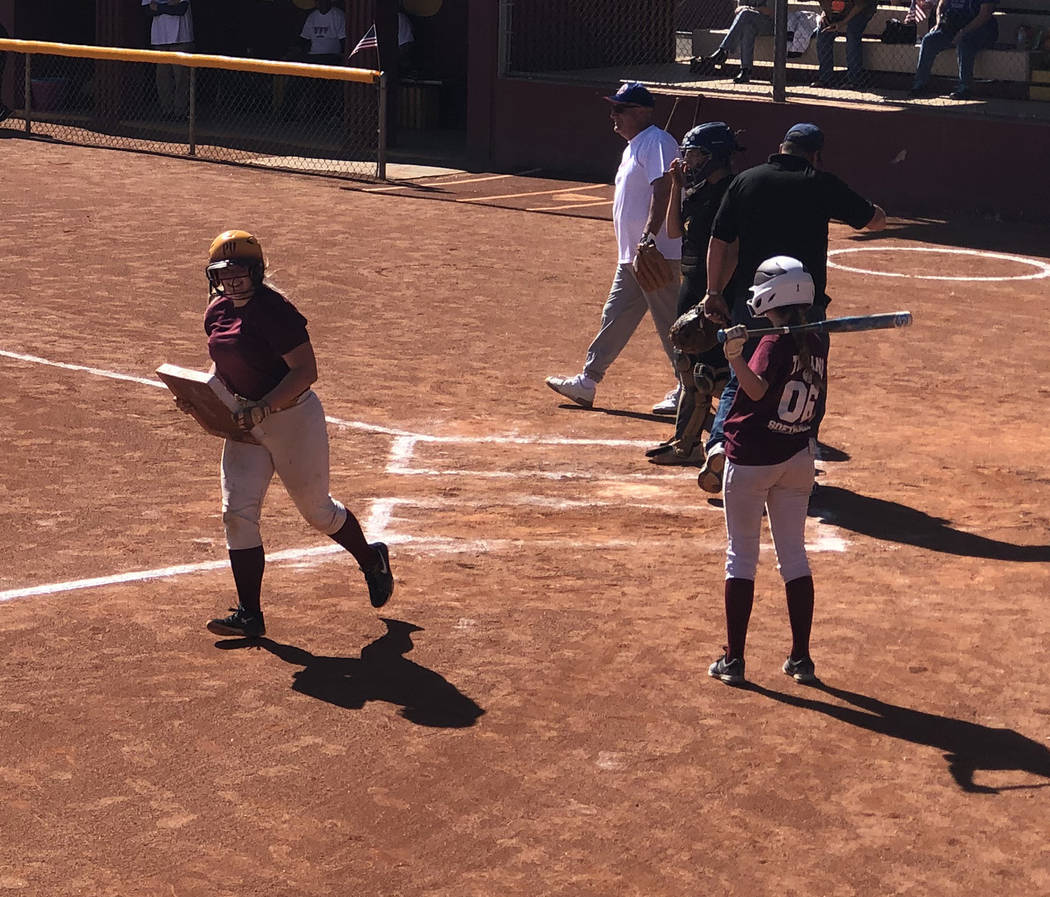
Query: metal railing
point(293, 116)
point(667, 43)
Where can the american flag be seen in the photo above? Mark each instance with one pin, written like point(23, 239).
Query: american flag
point(369, 40)
point(916, 12)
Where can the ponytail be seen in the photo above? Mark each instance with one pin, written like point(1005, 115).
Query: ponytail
point(805, 357)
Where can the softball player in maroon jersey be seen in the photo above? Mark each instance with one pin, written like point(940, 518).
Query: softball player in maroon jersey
point(769, 462)
point(261, 351)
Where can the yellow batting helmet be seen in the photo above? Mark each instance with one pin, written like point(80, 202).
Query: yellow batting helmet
point(236, 246)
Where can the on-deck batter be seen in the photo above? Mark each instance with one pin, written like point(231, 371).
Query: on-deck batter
point(261, 350)
point(769, 462)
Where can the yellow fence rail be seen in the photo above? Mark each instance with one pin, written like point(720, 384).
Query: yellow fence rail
point(225, 108)
point(194, 60)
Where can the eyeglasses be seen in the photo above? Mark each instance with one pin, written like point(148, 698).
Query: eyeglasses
point(620, 108)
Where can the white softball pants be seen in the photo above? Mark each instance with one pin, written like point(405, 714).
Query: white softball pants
point(783, 490)
point(295, 446)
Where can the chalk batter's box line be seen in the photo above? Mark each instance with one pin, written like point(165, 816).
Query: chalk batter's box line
point(381, 510)
point(313, 555)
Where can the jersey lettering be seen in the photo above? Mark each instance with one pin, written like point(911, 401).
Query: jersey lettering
point(798, 401)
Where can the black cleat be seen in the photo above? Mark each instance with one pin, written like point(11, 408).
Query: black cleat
point(380, 580)
point(240, 623)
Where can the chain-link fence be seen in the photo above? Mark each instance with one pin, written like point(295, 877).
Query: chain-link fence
point(869, 51)
point(326, 120)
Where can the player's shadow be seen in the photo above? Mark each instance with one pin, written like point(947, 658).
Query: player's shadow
point(895, 522)
point(968, 747)
point(380, 673)
point(619, 412)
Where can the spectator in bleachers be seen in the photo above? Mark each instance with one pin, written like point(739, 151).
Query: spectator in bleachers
point(323, 37)
point(172, 31)
point(753, 18)
point(842, 17)
point(324, 34)
point(408, 66)
point(971, 26)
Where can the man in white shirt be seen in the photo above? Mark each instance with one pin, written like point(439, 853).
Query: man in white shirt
point(643, 186)
point(171, 31)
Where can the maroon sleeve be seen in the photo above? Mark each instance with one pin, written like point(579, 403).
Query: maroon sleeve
point(283, 327)
point(767, 362)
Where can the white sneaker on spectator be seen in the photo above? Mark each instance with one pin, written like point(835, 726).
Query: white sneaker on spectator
point(669, 404)
point(579, 388)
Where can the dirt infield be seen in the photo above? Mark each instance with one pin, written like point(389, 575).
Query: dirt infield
point(530, 715)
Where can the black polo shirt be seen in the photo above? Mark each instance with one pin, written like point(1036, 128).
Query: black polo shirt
point(782, 208)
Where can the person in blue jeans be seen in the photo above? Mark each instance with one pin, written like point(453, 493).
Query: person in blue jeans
point(971, 26)
point(752, 19)
point(837, 18)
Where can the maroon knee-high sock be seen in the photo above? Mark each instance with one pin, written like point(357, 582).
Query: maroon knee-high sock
point(351, 537)
point(247, 565)
point(800, 612)
point(740, 596)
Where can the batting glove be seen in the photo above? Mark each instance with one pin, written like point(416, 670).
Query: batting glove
point(735, 339)
point(252, 415)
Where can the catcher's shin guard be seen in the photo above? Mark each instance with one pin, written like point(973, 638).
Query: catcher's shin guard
point(703, 389)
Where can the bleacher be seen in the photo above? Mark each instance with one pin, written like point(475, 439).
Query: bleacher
point(1014, 72)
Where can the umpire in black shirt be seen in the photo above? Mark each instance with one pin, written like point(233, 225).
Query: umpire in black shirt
point(781, 207)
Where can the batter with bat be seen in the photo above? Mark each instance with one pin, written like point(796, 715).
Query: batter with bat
point(261, 351)
point(769, 462)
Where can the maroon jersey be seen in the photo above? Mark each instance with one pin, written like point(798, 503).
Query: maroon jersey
point(778, 425)
point(247, 343)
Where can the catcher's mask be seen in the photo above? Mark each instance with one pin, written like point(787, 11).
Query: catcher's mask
point(780, 281)
point(236, 248)
point(716, 141)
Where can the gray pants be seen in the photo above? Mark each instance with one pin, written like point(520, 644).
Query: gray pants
point(173, 82)
point(623, 312)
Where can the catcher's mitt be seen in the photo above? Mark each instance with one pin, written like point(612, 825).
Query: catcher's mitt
point(694, 332)
point(651, 268)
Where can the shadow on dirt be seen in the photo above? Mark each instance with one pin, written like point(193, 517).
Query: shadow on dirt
point(968, 747)
point(381, 673)
point(618, 412)
point(973, 235)
point(893, 522)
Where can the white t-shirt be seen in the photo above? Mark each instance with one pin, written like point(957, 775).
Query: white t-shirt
point(646, 158)
point(404, 30)
point(171, 29)
point(324, 31)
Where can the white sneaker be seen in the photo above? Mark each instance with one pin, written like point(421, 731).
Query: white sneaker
point(579, 388)
point(669, 404)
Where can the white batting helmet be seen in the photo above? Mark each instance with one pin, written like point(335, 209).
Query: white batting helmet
point(780, 281)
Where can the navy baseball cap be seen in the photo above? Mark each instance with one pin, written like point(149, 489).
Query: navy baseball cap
point(633, 94)
point(806, 136)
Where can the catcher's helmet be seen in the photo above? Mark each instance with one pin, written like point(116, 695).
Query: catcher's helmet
point(714, 138)
point(233, 248)
point(779, 282)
